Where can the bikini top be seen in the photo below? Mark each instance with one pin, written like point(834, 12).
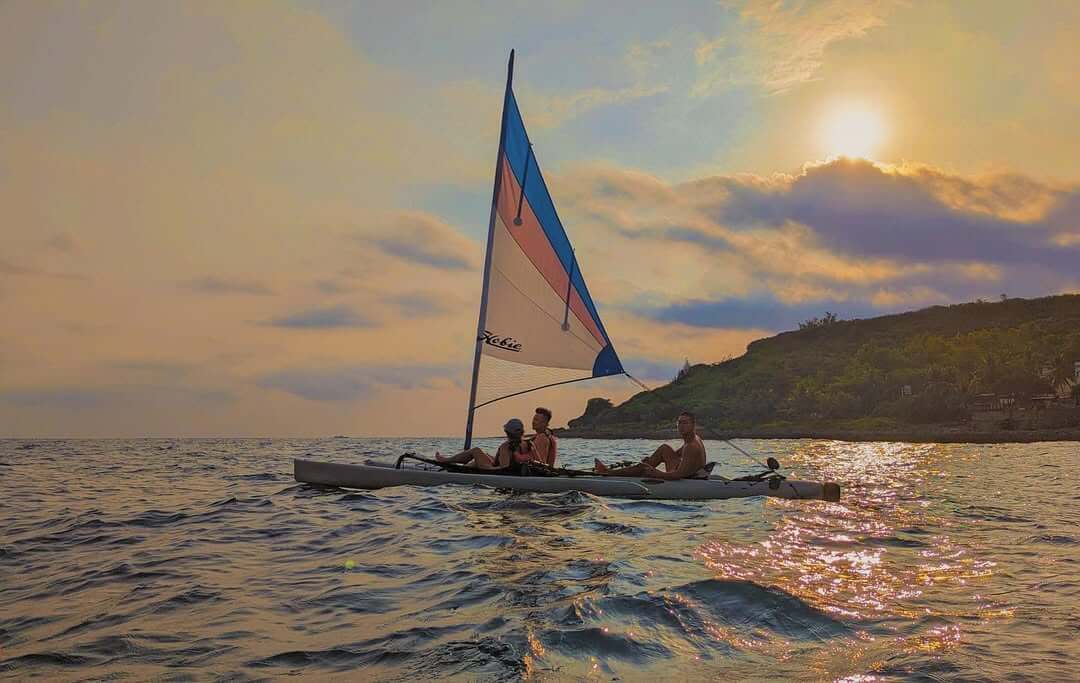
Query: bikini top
point(523, 451)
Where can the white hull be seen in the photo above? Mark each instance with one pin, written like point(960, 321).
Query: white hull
point(380, 476)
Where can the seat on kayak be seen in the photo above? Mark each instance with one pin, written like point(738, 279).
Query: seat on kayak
point(704, 472)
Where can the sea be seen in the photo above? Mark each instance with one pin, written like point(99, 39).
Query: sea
point(204, 560)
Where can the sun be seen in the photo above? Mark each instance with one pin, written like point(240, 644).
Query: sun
point(852, 129)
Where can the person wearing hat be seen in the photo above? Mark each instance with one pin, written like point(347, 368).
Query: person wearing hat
point(514, 450)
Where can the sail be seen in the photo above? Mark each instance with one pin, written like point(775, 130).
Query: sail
point(540, 326)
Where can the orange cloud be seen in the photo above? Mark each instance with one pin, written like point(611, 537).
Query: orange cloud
point(839, 231)
point(787, 42)
point(422, 239)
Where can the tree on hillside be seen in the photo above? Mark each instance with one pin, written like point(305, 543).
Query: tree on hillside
point(815, 323)
point(1061, 370)
point(684, 371)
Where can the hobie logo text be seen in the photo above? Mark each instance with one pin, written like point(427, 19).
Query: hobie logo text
point(504, 343)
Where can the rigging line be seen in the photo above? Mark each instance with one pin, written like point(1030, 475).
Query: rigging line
point(553, 384)
point(524, 179)
point(641, 384)
point(569, 288)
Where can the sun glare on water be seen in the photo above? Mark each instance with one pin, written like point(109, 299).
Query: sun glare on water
point(852, 130)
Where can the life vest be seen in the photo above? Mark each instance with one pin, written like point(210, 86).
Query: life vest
point(553, 447)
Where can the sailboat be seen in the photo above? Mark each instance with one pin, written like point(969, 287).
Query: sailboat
point(539, 327)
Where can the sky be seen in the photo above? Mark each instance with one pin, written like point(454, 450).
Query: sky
point(267, 219)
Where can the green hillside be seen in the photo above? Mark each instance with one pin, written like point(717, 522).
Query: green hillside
point(851, 374)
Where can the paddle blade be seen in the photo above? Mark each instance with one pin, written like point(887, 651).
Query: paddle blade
point(830, 491)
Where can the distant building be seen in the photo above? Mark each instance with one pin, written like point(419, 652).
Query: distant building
point(1063, 389)
point(905, 390)
point(987, 412)
point(985, 403)
point(1042, 401)
point(994, 411)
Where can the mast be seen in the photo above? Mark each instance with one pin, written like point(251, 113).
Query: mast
point(487, 255)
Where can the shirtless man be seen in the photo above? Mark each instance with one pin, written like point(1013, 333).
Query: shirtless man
point(545, 445)
point(515, 449)
point(688, 462)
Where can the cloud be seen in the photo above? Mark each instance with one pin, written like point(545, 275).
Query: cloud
point(900, 299)
point(421, 254)
point(151, 369)
point(63, 398)
point(859, 208)
point(669, 249)
point(545, 109)
point(351, 383)
point(332, 286)
point(784, 43)
point(847, 235)
point(641, 338)
point(643, 58)
point(554, 110)
point(61, 242)
point(322, 318)
point(432, 300)
point(9, 268)
point(114, 396)
point(425, 240)
point(762, 311)
point(317, 385)
point(649, 370)
point(215, 285)
point(705, 50)
point(420, 305)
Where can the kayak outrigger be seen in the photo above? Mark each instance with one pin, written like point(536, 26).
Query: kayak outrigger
point(542, 479)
